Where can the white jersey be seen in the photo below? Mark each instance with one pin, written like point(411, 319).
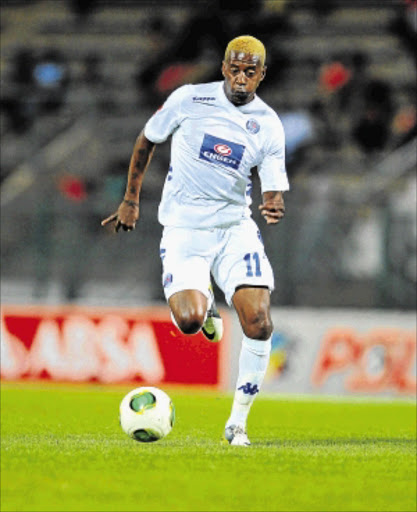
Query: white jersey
point(215, 144)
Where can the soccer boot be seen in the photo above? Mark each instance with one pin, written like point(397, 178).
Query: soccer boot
point(236, 435)
point(213, 326)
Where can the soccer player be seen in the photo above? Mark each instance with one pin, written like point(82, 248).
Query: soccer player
point(220, 131)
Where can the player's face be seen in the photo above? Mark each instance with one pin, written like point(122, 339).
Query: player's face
point(243, 73)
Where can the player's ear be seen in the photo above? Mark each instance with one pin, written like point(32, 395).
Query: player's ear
point(224, 68)
point(263, 72)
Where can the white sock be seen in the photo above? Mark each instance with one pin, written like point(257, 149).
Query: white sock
point(253, 363)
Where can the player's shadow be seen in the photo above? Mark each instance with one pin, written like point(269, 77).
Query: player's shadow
point(349, 441)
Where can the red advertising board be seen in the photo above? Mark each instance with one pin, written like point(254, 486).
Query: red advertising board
point(107, 345)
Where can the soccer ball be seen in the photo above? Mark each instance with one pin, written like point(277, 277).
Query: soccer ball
point(147, 414)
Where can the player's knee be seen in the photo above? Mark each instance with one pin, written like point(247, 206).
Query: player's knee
point(258, 326)
point(191, 321)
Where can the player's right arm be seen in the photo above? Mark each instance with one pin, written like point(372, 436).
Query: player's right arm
point(158, 128)
point(127, 214)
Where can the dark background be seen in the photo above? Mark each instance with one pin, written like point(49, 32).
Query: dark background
point(80, 78)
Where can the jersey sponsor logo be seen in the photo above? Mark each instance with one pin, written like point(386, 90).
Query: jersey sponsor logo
point(221, 151)
point(253, 126)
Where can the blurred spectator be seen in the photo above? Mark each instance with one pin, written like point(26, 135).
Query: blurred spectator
point(18, 97)
point(299, 132)
point(334, 75)
point(304, 128)
point(72, 188)
point(342, 80)
point(51, 76)
point(187, 57)
point(37, 85)
point(372, 131)
point(351, 93)
point(193, 54)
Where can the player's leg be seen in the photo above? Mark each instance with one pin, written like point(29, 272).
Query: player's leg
point(188, 308)
point(253, 308)
point(252, 304)
point(191, 311)
point(185, 255)
point(245, 275)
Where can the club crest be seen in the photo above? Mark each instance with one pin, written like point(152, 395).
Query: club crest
point(253, 126)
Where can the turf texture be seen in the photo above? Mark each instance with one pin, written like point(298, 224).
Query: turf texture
point(62, 449)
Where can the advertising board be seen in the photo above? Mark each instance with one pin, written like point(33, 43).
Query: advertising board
point(107, 345)
point(331, 351)
point(314, 351)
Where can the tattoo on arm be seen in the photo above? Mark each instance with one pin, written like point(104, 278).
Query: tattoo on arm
point(140, 159)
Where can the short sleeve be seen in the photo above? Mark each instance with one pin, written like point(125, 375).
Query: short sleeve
point(272, 171)
point(167, 119)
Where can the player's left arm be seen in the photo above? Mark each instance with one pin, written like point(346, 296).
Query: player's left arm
point(273, 175)
point(273, 207)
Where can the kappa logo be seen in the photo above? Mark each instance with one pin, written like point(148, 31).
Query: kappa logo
point(204, 99)
point(221, 151)
point(249, 389)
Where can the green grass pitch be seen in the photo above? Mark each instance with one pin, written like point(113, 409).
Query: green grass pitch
point(62, 449)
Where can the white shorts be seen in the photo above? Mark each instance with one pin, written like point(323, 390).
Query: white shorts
point(235, 256)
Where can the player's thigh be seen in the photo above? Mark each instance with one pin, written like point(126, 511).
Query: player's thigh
point(243, 261)
point(185, 262)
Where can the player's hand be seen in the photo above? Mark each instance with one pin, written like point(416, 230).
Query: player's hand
point(126, 216)
point(273, 210)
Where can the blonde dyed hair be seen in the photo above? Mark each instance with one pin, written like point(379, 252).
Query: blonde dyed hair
point(246, 44)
